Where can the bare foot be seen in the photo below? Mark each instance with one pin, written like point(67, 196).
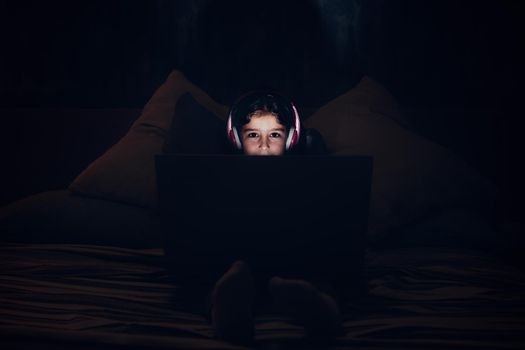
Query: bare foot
point(316, 311)
point(232, 302)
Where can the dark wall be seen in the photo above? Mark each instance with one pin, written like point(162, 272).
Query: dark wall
point(114, 53)
point(447, 53)
point(64, 53)
point(455, 66)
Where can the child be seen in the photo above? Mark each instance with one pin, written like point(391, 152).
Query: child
point(261, 124)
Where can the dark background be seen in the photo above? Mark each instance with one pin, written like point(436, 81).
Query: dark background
point(454, 66)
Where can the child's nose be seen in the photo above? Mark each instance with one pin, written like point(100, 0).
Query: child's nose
point(265, 144)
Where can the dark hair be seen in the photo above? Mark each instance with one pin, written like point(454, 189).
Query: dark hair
point(248, 104)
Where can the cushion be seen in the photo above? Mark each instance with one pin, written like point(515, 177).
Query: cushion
point(195, 130)
point(452, 227)
point(126, 172)
point(412, 175)
point(62, 217)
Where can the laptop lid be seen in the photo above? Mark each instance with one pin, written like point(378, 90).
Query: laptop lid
point(238, 206)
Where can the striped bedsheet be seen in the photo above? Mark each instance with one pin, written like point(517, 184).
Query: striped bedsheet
point(67, 296)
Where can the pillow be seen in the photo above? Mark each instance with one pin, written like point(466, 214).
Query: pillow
point(126, 172)
point(61, 217)
point(412, 176)
point(453, 227)
point(195, 130)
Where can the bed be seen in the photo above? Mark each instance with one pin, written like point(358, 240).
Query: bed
point(83, 267)
point(85, 296)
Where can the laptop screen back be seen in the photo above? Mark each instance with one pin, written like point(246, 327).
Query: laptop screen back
point(308, 207)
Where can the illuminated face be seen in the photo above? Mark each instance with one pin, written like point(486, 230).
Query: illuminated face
point(263, 136)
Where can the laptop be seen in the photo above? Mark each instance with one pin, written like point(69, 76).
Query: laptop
point(280, 214)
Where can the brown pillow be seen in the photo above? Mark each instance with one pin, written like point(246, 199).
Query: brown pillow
point(412, 175)
point(126, 172)
point(63, 218)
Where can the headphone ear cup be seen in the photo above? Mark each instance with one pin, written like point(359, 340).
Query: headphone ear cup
point(291, 141)
point(235, 138)
point(231, 137)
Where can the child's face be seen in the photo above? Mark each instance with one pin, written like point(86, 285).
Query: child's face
point(263, 136)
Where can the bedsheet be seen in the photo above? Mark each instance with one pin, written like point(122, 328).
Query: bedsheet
point(82, 296)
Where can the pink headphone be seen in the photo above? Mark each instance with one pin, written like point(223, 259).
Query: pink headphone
point(293, 134)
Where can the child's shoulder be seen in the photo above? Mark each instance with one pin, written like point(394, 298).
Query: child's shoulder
point(312, 142)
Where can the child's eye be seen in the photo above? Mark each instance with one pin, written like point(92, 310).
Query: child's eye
point(252, 134)
point(275, 135)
